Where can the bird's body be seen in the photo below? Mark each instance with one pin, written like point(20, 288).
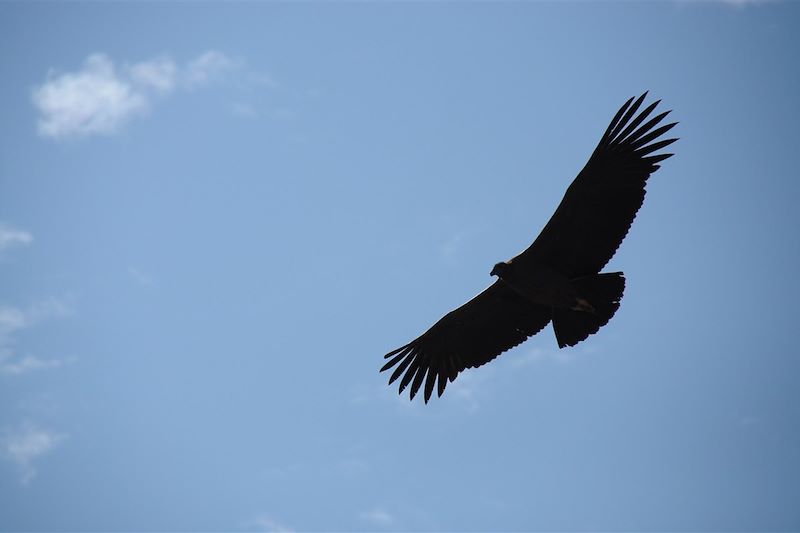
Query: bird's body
point(539, 284)
point(557, 278)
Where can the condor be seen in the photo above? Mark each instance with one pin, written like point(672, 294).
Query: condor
point(557, 278)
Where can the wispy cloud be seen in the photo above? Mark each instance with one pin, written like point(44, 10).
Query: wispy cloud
point(744, 3)
point(267, 523)
point(377, 517)
point(537, 355)
point(15, 319)
point(25, 444)
point(738, 4)
point(140, 277)
point(244, 110)
point(209, 67)
point(99, 98)
point(27, 363)
point(10, 236)
point(159, 74)
point(470, 387)
point(450, 248)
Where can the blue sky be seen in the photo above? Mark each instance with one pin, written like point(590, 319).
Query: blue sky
point(216, 218)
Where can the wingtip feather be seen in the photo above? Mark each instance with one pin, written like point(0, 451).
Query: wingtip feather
point(409, 375)
point(398, 350)
point(442, 382)
point(399, 370)
point(626, 117)
point(614, 121)
point(400, 355)
point(430, 382)
point(417, 382)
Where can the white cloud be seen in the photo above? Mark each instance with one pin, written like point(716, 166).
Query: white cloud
point(12, 237)
point(377, 517)
point(94, 100)
point(12, 321)
point(99, 98)
point(25, 444)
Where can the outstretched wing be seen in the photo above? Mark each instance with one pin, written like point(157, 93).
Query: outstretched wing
point(494, 321)
point(597, 211)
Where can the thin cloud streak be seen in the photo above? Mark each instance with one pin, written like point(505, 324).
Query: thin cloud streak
point(377, 517)
point(10, 236)
point(28, 363)
point(736, 4)
point(450, 249)
point(743, 3)
point(537, 355)
point(267, 523)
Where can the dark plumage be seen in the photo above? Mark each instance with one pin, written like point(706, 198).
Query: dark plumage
point(557, 277)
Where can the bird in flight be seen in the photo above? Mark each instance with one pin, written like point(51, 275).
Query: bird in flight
point(557, 278)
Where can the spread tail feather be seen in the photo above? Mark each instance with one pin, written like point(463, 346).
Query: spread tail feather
point(602, 293)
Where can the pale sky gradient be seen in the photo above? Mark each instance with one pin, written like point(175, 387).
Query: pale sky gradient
point(216, 218)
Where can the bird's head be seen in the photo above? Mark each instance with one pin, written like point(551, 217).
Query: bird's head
point(499, 269)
